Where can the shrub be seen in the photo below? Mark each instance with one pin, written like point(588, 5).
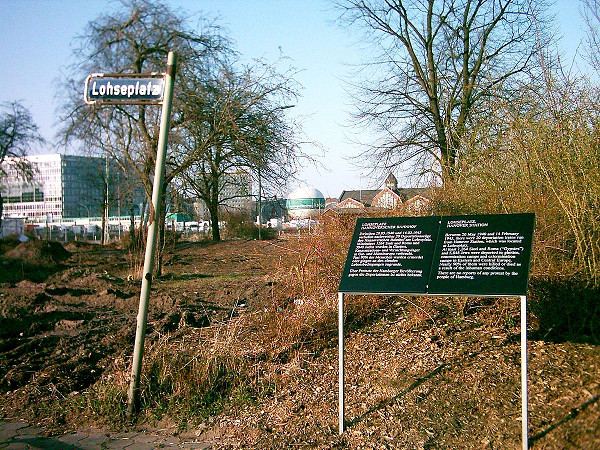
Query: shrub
point(541, 153)
point(240, 225)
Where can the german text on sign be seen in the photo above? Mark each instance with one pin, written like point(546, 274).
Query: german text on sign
point(122, 90)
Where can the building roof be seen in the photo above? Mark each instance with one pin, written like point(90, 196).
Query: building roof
point(391, 181)
point(366, 196)
point(349, 203)
point(305, 192)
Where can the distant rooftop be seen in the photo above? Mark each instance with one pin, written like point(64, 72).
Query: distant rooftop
point(365, 196)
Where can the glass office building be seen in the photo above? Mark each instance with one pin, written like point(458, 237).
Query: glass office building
point(66, 186)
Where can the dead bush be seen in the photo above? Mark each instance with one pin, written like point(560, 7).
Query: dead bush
point(240, 225)
point(539, 153)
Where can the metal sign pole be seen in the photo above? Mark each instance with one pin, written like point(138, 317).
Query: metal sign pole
point(159, 174)
point(524, 392)
point(524, 409)
point(259, 205)
point(341, 359)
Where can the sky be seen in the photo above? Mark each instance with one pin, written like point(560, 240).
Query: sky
point(36, 39)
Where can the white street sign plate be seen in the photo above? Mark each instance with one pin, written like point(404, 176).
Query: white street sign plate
point(123, 89)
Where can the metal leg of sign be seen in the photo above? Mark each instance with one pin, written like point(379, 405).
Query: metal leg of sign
point(524, 409)
point(159, 175)
point(341, 359)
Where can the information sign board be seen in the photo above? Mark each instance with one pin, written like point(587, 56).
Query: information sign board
point(438, 255)
point(124, 89)
point(478, 255)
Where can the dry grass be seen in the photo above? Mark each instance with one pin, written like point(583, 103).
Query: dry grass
point(265, 375)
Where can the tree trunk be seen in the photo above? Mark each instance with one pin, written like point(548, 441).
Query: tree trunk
point(132, 227)
point(214, 222)
point(448, 165)
point(104, 218)
point(213, 207)
point(448, 157)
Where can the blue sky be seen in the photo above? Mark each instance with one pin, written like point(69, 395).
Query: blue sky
point(36, 38)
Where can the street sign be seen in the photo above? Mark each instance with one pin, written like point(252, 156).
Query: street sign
point(135, 89)
point(128, 89)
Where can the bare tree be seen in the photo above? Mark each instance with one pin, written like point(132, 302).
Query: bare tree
point(236, 122)
point(437, 61)
point(136, 38)
point(18, 133)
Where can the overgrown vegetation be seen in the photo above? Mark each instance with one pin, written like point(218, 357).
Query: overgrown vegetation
point(188, 382)
point(271, 347)
point(302, 316)
point(542, 155)
point(240, 225)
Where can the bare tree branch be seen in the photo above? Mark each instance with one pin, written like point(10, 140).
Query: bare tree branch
point(436, 61)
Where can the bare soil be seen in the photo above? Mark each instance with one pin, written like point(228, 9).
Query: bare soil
point(449, 380)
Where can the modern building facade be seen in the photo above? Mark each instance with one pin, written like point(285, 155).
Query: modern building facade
point(305, 202)
point(67, 186)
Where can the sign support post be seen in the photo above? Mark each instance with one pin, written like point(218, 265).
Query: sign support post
point(524, 408)
point(341, 360)
point(524, 390)
point(157, 188)
point(474, 255)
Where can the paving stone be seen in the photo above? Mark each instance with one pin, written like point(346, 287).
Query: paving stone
point(117, 442)
point(17, 446)
point(164, 442)
point(71, 438)
point(128, 435)
point(29, 432)
point(146, 439)
point(194, 444)
point(39, 442)
point(18, 435)
point(55, 444)
point(9, 429)
point(93, 441)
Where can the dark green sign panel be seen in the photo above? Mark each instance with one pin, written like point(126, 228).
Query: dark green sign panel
point(486, 254)
point(387, 254)
point(455, 255)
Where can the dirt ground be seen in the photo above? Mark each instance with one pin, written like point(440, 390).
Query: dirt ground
point(449, 381)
